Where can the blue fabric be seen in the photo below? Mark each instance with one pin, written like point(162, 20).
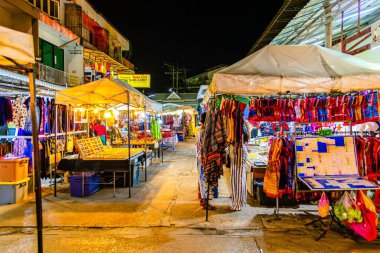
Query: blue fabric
point(103, 138)
point(246, 112)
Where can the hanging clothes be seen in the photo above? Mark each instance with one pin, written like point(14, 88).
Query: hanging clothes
point(19, 112)
point(238, 182)
point(6, 111)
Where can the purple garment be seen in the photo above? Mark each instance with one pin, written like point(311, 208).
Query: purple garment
point(5, 110)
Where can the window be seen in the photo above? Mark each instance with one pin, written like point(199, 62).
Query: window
point(38, 4)
point(45, 6)
point(54, 9)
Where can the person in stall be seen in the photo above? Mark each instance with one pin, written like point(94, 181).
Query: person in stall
point(100, 130)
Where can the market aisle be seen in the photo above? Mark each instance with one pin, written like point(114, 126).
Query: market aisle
point(163, 215)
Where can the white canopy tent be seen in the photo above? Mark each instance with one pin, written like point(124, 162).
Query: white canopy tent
point(297, 69)
point(17, 46)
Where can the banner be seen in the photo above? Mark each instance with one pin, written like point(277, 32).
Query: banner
point(136, 80)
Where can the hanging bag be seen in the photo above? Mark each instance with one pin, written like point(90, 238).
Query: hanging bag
point(346, 209)
point(323, 205)
point(368, 227)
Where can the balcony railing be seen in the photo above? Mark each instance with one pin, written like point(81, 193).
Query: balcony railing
point(52, 75)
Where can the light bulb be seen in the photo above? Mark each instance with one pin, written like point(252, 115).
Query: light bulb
point(107, 115)
point(96, 111)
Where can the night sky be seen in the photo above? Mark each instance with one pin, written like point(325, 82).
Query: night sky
point(194, 34)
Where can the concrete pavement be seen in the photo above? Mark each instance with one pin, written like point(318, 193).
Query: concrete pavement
point(164, 215)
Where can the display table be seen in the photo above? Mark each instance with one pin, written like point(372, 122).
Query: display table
point(94, 157)
point(170, 142)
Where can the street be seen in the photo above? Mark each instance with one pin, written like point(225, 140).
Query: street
point(164, 215)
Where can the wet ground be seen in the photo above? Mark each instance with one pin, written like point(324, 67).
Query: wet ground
point(164, 215)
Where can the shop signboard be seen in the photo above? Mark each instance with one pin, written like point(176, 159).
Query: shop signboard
point(136, 80)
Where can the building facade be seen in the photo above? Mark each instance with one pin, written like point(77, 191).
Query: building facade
point(73, 43)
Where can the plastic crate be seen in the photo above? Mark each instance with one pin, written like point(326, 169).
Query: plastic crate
point(91, 185)
point(15, 192)
point(13, 170)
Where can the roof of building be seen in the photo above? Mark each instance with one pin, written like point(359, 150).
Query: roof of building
point(308, 26)
point(285, 14)
point(174, 96)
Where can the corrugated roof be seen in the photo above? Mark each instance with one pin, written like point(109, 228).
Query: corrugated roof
point(285, 14)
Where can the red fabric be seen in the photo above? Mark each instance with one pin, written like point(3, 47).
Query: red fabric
point(100, 130)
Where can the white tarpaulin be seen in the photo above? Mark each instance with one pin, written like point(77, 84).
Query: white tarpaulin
point(297, 69)
point(15, 45)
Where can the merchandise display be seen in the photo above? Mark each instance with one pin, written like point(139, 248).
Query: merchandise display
point(329, 163)
point(93, 149)
point(258, 150)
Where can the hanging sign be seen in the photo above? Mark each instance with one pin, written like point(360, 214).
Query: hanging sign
point(136, 80)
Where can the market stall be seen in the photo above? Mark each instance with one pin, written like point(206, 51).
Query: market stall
point(108, 95)
point(179, 118)
point(17, 51)
point(298, 84)
point(144, 125)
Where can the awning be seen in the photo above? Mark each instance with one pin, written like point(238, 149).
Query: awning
point(100, 58)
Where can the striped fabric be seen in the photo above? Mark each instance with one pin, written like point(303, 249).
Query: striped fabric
point(238, 177)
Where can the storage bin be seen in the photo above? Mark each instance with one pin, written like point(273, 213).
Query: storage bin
point(15, 192)
point(91, 185)
point(13, 170)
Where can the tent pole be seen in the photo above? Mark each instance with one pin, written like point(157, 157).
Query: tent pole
point(145, 127)
point(36, 165)
point(129, 146)
point(55, 150)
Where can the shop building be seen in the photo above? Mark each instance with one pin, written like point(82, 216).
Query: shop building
point(73, 43)
point(105, 51)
